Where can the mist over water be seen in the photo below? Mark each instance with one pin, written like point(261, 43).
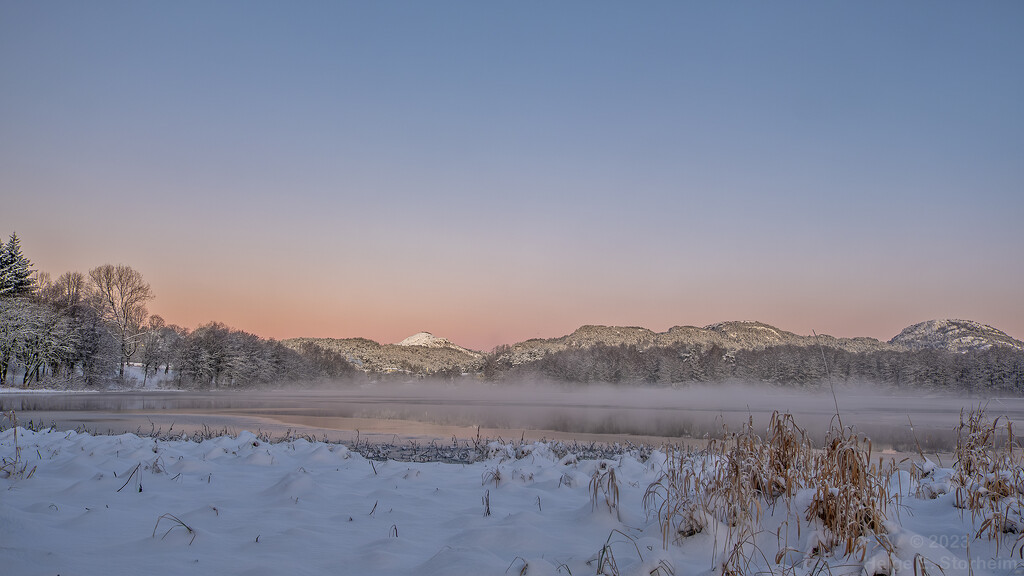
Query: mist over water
point(695, 411)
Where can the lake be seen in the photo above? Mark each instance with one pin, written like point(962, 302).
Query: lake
point(422, 412)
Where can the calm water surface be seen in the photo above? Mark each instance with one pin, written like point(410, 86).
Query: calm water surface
point(424, 411)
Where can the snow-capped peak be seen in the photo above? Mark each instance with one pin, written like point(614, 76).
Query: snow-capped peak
point(425, 339)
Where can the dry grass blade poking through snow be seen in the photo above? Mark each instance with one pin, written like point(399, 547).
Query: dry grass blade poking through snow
point(14, 467)
point(175, 523)
point(606, 564)
point(491, 475)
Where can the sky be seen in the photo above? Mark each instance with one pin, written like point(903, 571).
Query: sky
point(497, 171)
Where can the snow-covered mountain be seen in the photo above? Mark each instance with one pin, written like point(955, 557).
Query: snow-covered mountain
point(425, 353)
point(428, 340)
point(954, 336)
point(735, 335)
point(421, 353)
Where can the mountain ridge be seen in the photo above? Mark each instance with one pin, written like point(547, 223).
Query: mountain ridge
point(425, 353)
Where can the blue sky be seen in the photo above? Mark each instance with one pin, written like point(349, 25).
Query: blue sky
point(497, 171)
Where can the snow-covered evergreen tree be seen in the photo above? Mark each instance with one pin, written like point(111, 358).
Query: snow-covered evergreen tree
point(15, 270)
point(5, 264)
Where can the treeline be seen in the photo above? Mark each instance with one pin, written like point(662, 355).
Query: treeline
point(998, 369)
point(216, 356)
point(89, 328)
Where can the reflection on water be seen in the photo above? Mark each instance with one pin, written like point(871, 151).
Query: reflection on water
point(693, 412)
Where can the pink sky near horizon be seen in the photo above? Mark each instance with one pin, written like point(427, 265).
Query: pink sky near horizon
point(487, 312)
point(493, 173)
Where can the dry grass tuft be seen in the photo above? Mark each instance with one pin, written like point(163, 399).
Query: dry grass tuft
point(844, 502)
point(604, 485)
point(785, 454)
point(734, 483)
point(15, 467)
point(988, 475)
point(852, 493)
point(673, 497)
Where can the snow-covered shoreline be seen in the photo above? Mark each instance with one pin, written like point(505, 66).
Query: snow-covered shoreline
point(76, 503)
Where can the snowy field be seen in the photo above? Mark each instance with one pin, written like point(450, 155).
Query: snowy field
point(74, 503)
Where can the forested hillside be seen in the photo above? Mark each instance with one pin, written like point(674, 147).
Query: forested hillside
point(997, 369)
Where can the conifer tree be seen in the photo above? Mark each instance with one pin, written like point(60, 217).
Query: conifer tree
point(15, 270)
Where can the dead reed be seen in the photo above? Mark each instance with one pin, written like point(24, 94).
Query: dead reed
point(732, 485)
point(15, 467)
point(988, 476)
point(851, 496)
point(604, 486)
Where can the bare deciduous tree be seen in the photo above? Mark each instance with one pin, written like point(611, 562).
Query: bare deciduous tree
point(121, 295)
point(158, 346)
point(66, 292)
